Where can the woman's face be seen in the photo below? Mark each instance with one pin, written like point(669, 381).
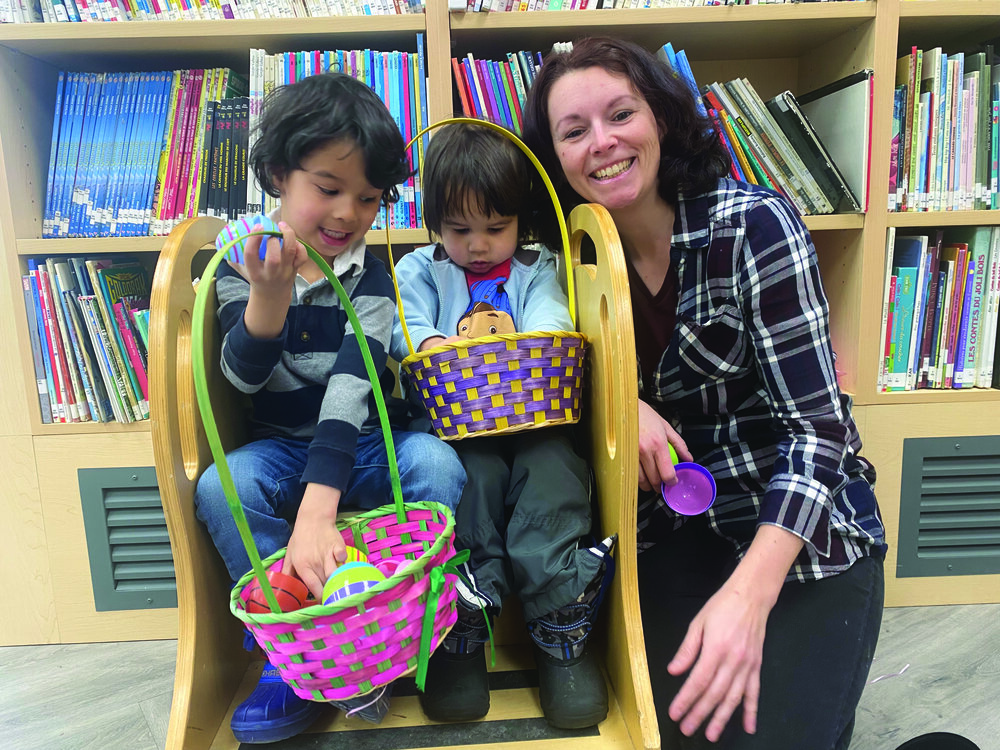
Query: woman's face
point(605, 136)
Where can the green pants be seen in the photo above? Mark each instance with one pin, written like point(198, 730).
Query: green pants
point(525, 508)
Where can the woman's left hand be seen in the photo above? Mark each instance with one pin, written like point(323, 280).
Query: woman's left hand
point(724, 642)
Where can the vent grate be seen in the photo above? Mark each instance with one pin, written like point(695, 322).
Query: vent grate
point(949, 513)
point(131, 564)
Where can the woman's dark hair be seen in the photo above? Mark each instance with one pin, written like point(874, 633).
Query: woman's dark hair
point(691, 157)
point(473, 166)
point(301, 117)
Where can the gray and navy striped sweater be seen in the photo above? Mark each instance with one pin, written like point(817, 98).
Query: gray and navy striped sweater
point(310, 382)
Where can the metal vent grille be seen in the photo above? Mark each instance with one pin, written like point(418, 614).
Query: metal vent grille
point(131, 564)
point(949, 514)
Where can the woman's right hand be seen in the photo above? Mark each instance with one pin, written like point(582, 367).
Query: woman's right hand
point(655, 438)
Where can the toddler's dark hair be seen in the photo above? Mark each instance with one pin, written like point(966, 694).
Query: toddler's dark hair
point(471, 166)
point(301, 117)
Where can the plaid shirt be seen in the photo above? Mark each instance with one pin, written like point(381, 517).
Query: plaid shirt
point(748, 380)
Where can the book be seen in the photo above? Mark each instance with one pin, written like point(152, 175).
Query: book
point(957, 256)
point(806, 141)
point(978, 240)
point(841, 113)
point(907, 257)
point(888, 294)
point(36, 351)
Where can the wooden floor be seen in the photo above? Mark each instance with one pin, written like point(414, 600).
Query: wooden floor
point(936, 669)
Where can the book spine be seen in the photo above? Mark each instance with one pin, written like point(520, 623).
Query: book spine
point(112, 378)
point(59, 374)
point(36, 351)
point(962, 339)
point(125, 331)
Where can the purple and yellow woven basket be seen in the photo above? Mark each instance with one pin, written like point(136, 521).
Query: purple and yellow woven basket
point(504, 382)
point(501, 383)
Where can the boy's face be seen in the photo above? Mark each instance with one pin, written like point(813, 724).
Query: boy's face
point(328, 201)
point(478, 242)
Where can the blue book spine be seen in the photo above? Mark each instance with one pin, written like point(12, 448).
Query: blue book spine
point(82, 190)
point(501, 94)
point(57, 121)
point(107, 112)
point(477, 105)
point(62, 154)
point(77, 172)
point(50, 383)
point(906, 285)
point(962, 341)
point(156, 139)
point(687, 75)
point(36, 351)
point(124, 155)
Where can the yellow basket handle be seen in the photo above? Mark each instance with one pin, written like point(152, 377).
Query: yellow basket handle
point(563, 233)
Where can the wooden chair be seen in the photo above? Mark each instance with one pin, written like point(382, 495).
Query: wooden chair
point(213, 672)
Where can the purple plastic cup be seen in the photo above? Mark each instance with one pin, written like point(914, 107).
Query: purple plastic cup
point(694, 492)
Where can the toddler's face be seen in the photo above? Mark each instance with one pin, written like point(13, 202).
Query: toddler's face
point(329, 202)
point(478, 242)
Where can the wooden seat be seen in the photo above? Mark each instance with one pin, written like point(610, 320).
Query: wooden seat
point(214, 673)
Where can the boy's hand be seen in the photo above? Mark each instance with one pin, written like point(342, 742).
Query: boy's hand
point(271, 280)
point(316, 547)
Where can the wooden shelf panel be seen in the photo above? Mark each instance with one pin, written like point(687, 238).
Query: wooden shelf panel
point(942, 218)
point(933, 396)
point(113, 245)
point(954, 25)
point(834, 221)
point(91, 428)
point(201, 43)
point(752, 31)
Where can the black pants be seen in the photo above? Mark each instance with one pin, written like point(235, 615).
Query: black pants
point(525, 507)
point(818, 646)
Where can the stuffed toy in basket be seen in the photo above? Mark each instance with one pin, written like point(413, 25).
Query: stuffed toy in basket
point(500, 382)
point(337, 651)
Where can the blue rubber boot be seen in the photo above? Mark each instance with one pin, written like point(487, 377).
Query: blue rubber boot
point(272, 712)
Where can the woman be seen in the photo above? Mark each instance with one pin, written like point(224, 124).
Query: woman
point(771, 601)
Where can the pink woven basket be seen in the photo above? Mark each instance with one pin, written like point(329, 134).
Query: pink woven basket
point(335, 652)
point(332, 652)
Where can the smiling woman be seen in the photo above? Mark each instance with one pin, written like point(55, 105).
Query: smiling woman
point(736, 374)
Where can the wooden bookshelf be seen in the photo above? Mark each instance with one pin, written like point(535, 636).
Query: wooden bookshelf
point(797, 46)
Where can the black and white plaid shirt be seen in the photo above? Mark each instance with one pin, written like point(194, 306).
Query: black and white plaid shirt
point(748, 379)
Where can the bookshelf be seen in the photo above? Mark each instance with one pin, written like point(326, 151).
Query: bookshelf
point(794, 46)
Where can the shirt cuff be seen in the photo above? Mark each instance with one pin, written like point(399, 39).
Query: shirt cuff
point(801, 506)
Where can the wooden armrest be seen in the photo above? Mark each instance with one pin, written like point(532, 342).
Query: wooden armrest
point(605, 316)
point(210, 658)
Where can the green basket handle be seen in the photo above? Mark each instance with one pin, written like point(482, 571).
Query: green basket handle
point(212, 430)
point(563, 233)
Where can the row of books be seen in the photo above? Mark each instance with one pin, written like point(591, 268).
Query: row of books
point(399, 79)
point(939, 310)
point(133, 154)
point(496, 90)
point(88, 322)
point(945, 129)
point(126, 148)
point(774, 144)
point(497, 6)
point(75, 11)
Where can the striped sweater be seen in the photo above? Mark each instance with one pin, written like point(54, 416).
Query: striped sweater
point(310, 382)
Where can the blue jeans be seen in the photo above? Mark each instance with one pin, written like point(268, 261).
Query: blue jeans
point(267, 476)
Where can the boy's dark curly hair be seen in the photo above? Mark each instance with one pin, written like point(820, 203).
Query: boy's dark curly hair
point(303, 116)
point(691, 157)
point(472, 166)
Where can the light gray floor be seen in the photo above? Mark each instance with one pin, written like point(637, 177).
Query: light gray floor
point(116, 696)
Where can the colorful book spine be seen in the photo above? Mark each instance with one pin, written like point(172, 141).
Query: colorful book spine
point(36, 351)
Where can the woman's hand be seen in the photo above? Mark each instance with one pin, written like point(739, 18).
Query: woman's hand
point(655, 437)
point(271, 280)
point(725, 641)
point(316, 547)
